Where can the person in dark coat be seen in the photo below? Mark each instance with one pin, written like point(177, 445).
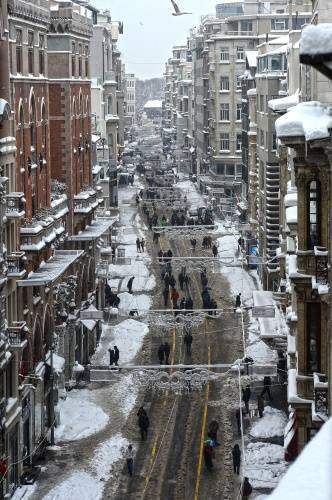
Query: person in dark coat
point(142, 244)
point(267, 387)
point(116, 355)
point(111, 351)
point(246, 397)
point(237, 302)
point(160, 255)
point(193, 244)
point(108, 294)
point(260, 405)
point(213, 432)
point(189, 303)
point(130, 284)
point(183, 303)
point(167, 350)
point(188, 340)
point(172, 281)
point(141, 411)
point(138, 244)
point(246, 489)
point(238, 419)
point(181, 280)
point(215, 250)
point(166, 296)
point(143, 423)
point(236, 453)
point(161, 354)
point(208, 454)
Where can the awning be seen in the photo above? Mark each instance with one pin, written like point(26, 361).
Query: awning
point(98, 227)
point(58, 362)
point(90, 324)
point(53, 269)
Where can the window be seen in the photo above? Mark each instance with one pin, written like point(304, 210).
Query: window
point(109, 105)
point(220, 169)
point(19, 51)
point(239, 169)
point(274, 140)
point(224, 141)
point(80, 60)
point(30, 53)
point(238, 142)
point(313, 336)
point(224, 54)
point(240, 53)
point(246, 25)
point(224, 83)
point(313, 211)
point(239, 112)
point(238, 82)
point(230, 169)
point(261, 137)
point(224, 112)
point(279, 24)
point(73, 60)
point(41, 54)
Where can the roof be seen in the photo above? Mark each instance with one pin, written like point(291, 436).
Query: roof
point(251, 56)
point(55, 267)
point(97, 228)
point(153, 104)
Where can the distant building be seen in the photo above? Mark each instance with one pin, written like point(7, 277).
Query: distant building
point(130, 99)
point(153, 109)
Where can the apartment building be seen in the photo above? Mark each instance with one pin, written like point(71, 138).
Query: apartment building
point(130, 99)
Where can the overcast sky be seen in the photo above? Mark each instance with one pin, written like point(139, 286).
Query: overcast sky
point(150, 30)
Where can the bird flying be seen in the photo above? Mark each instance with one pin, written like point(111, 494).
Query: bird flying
point(177, 10)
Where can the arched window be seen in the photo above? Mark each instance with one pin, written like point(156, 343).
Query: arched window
point(33, 129)
point(44, 130)
point(109, 105)
point(313, 214)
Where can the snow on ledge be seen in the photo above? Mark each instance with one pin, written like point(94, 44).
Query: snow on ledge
point(284, 103)
point(310, 476)
point(292, 396)
point(316, 40)
point(309, 119)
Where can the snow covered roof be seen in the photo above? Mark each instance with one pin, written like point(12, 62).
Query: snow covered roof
point(309, 119)
point(310, 475)
point(52, 269)
point(153, 104)
point(269, 328)
point(252, 92)
point(316, 42)
point(251, 56)
point(97, 228)
point(284, 103)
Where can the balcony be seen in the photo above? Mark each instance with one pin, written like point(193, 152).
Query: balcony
point(320, 405)
point(16, 265)
point(59, 205)
point(85, 202)
point(17, 334)
point(313, 264)
point(32, 236)
point(15, 205)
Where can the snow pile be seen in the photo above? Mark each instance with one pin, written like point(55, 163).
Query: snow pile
point(129, 301)
point(144, 280)
point(80, 417)
point(316, 40)
point(272, 424)
point(257, 349)
point(310, 476)
point(284, 103)
point(309, 119)
point(265, 464)
point(24, 492)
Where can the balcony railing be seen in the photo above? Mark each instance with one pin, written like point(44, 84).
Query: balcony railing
point(85, 202)
point(16, 265)
point(320, 397)
point(17, 333)
point(15, 205)
point(32, 236)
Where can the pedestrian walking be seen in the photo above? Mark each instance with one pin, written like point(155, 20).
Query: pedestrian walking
point(186, 282)
point(237, 302)
point(189, 303)
point(193, 244)
point(215, 250)
point(246, 397)
point(141, 411)
point(167, 351)
point(111, 351)
point(181, 280)
point(130, 284)
point(188, 340)
point(175, 298)
point(160, 256)
point(208, 454)
point(116, 355)
point(238, 419)
point(260, 405)
point(113, 253)
point(166, 296)
point(143, 423)
point(142, 244)
point(183, 303)
point(129, 455)
point(172, 281)
point(138, 244)
point(246, 489)
point(213, 432)
point(161, 354)
point(236, 453)
point(267, 387)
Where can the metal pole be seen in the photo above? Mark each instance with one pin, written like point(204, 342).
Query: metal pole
point(52, 399)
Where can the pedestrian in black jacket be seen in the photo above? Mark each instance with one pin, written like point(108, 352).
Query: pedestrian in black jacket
point(116, 355)
point(111, 356)
point(143, 423)
point(267, 387)
point(236, 452)
point(167, 350)
point(246, 397)
point(166, 296)
point(246, 489)
point(237, 302)
point(130, 284)
point(138, 244)
point(188, 340)
point(189, 303)
point(161, 354)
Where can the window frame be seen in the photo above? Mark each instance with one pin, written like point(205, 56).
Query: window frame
point(311, 243)
point(224, 110)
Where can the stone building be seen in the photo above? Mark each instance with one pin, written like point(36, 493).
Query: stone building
point(130, 99)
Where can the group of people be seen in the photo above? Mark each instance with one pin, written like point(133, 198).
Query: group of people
point(164, 351)
point(140, 244)
point(114, 355)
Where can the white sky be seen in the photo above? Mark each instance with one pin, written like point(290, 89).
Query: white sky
point(150, 30)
